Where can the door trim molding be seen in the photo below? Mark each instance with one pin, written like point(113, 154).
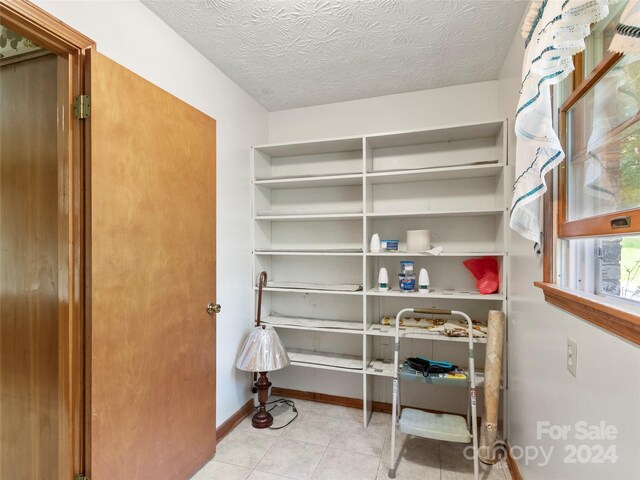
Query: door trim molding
point(29, 20)
point(33, 22)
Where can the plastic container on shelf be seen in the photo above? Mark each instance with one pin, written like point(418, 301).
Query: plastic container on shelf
point(406, 278)
point(406, 267)
point(389, 245)
point(407, 283)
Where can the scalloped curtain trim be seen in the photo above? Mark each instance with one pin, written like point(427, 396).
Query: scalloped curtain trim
point(627, 37)
point(554, 31)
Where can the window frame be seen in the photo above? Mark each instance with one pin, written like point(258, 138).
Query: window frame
point(612, 315)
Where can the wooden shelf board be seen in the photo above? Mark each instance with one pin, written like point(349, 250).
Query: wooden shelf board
point(324, 367)
point(438, 173)
point(324, 360)
point(436, 135)
point(437, 293)
point(380, 368)
point(308, 290)
point(278, 321)
point(317, 253)
point(310, 217)
point(621, 319)
point(443, 254)
point(311, 181)
point(315, 147)
point(339, 253)
point(382, 215)
point(314, 329)
point(445, 213)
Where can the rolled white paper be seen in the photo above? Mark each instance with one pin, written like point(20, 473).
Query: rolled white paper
point(418, 240)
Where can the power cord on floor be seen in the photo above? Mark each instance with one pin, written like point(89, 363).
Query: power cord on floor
point(283, 401)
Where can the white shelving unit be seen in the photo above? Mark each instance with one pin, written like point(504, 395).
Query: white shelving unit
point(316, 205)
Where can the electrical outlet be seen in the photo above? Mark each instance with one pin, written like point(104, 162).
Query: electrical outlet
point(572, 356)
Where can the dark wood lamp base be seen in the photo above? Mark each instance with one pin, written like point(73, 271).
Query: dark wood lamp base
point(262, 418)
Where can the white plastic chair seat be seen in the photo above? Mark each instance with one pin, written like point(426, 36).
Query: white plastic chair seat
point(438, 426)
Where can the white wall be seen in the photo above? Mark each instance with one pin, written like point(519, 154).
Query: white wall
point(607, 387)
point(130, 34)
point(427, 108)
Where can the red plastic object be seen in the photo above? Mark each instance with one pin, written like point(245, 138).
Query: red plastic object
point(485, 271)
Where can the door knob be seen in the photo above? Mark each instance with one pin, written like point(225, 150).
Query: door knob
point(213, 308)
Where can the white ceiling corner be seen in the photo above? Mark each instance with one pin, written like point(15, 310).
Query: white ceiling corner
point(297, 53)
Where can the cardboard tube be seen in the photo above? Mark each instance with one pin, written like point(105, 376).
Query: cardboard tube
point(492, 374)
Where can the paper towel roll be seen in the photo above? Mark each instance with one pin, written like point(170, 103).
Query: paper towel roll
point(418, 240)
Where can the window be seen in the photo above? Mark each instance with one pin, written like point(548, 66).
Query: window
point(598, 41)
point(608, 267)
point(592, 225)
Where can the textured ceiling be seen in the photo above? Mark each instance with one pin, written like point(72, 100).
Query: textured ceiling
point(297, 53)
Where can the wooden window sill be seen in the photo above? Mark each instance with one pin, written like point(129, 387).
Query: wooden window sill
point(594, 309)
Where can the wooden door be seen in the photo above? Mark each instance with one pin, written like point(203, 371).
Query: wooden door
point(32, 291)
point(152, 274)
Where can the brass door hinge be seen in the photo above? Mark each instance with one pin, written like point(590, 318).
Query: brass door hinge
point(82, 107)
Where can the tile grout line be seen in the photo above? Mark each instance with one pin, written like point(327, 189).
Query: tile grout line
point(386, 436)
point(440, 460)
point(321, 457)
point(319, 461)
point(301, 441)
point(265, 453)
point(226, 463)
point(257, 433)
point(325, 452)
point(384, 444)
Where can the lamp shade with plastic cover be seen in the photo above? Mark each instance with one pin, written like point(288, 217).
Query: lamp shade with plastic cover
point(263, 351)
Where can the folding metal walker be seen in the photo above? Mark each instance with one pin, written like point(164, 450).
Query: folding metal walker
point(437, 426)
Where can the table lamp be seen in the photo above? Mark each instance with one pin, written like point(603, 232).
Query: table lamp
point(263, 352)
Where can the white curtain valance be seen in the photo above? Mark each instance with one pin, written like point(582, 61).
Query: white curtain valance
point(627, 37)
point(554, 31)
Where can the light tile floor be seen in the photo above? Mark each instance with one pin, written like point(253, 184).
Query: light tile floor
point(328, 442)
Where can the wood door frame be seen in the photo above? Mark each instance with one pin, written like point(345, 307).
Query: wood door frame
point(31, 21)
